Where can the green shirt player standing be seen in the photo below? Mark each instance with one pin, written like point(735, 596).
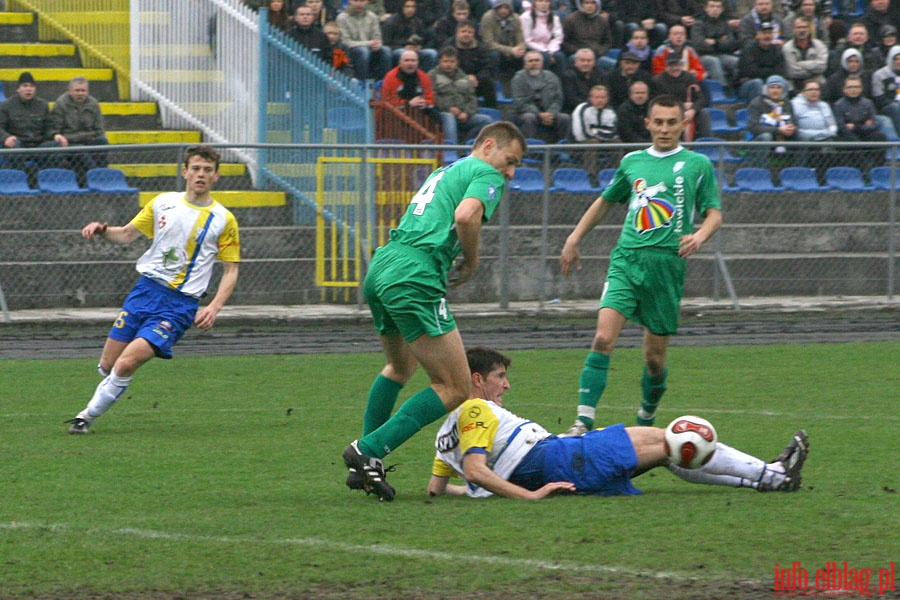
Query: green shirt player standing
point(663, 185)
point(405, 288)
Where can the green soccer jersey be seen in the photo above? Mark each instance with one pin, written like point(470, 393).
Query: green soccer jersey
point(662, 191)
point(428, 223)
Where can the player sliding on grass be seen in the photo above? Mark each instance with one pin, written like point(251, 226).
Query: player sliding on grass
point(662, 185)
point(405, 288)
point(497, 452)
point(189, 231)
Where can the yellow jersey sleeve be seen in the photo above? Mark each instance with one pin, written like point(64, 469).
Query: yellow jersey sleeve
point(144, 220)
point(477, 426)
point(229, 241)
point(442, 469)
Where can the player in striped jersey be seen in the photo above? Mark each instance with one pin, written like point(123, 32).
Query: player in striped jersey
point(497, 452)
point(190, 231)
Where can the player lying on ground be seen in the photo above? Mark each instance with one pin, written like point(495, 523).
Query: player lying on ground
point(497, 452)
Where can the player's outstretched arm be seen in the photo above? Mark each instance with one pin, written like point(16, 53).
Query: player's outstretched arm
point(477, 472)
point(120, 235)
point(439, 485)
point(570, 256)
point(206, 316)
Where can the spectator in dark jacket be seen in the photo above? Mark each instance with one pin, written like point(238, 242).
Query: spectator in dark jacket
point(851, 64)
point(717, 43)
point(647, 14)
point(475, 61)
point(632, 113)
point(397, 31)
point(857, 121)
point(759, 60)
point(858, 38)
point(771, 118)
point(308, 34)
point(586, 28)
point(444, 28)
point(77, 121)
point(25, 120)
point(681, 84)
point(620, 80)
point(578, 81)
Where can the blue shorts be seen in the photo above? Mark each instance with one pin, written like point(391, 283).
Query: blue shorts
point(155, 313)
point(599, 462)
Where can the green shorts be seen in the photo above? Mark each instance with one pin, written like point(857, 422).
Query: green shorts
point(406, 294)
point(646, 286)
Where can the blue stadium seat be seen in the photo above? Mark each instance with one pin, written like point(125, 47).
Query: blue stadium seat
point(346, 118)
point(574, 180)
point(534, 158)
point(880, 178)
point(493, 113)
point(719, 122)
point(742, 118)
point(715, 92)
point(605, 176)
point(847, 179)
point(528, 180)
point(712, 152)
point(752, 179)
point(801, 179)
point(14, 183)
point(501, 97)
point(110, 181)
point(59, 181)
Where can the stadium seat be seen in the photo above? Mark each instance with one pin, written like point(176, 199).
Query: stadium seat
point(880, 178)
point(346, 118)
point(712, 152)
point(752, 179)
point(572, 180)
point(527, 180)
point(59, 181)
point(801, 179)
point(719, 122)
point(501, 97)
point(109, 181)
point(715, 92)
point(493, 113)
point(846, 179)
point(605, 176)
point(14, 182)
point(534, 158)
point(742, 118)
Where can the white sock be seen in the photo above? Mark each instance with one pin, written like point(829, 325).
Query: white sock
point(103, 372)
point(106, 394)
point(729, 466)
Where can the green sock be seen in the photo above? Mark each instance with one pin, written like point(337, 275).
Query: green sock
point(652, 388)
point(382, 397)
point(417, 412)
point(591, 385)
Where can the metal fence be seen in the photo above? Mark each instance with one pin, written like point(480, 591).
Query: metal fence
point(819, 240)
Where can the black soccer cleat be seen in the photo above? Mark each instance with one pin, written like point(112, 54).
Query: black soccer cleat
point(78, 425)
point(792, 458)
point(368, 469)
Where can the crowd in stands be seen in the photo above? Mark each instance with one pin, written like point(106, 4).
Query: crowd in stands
point(584, 70)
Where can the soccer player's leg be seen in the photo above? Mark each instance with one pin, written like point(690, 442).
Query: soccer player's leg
point(653, 379)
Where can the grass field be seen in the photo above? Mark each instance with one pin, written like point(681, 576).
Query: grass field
point(221, 478)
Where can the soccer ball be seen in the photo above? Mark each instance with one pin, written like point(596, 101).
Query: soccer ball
point(690, 441)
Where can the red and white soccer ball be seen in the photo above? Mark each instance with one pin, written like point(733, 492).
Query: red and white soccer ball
point(690, 441)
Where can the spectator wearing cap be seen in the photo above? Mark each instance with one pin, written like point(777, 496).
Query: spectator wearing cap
point(77, 121)
point(888, 38)
point(761, 15)
point(538, 100)
point(805, 58)
point(677, 44)
point(619, 81)
point(25, 119)
point(398, 30)
point(759, 60)
point(771, 117)
point(501, 32)
point(675, 81)
point(586, 28)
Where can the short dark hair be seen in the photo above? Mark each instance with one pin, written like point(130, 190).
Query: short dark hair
point(502, 132)
point(205, 152)
point(466, 23)
point(448, 51)
point(483, 360)
point(666, 100)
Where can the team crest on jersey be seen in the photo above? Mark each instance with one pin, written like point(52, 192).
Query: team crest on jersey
point(678, 166)
point(492, 191)
point(650, 212)
point(173, 258)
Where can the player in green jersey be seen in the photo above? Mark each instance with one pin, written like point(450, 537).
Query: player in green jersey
point(405, 288)
point(663, 185)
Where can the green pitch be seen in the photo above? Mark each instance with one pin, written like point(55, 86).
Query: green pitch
point(222, 478)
